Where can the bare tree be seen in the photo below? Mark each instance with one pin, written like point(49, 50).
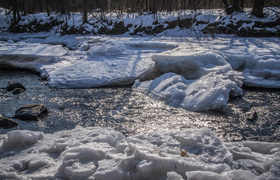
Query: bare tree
point(48, 7)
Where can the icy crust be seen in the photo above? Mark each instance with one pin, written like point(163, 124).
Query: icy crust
point(209, 92)
point(104, 154)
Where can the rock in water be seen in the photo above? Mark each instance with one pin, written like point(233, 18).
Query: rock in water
point(18, 91)
point(252, 116)
point(31, 112)
point(7, 123)
point(14, 85)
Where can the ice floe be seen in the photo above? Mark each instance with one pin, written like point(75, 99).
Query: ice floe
point(209, 92)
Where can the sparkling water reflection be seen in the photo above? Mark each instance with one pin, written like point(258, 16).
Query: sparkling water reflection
point(132, 112)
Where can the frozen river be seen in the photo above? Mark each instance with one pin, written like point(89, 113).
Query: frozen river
point(131, 112)
point(99, 126)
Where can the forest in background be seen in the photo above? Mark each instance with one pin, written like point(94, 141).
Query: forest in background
point(96, 16)
point(24, 7)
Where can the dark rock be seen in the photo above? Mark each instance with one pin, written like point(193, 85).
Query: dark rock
point(13, 85)
point(18, 91)
point(252, 116)
point(31, 112)
point(7, 123)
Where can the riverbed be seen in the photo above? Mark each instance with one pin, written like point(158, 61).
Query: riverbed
point(132, 112)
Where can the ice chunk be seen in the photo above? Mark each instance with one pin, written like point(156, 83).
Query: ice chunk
point(106, 49)
point(108, 169)
point(19, 138)
point(202, 175)
point(239, 175)
point(261, 78)
point(69, 41)
point(173, 176)
point(209, 92)
point(192, 65)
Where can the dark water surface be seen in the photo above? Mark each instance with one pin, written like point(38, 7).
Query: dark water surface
point(132, 112)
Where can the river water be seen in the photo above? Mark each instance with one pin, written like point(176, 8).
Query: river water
point(131, 112)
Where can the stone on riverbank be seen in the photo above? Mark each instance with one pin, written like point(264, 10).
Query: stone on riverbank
point(15, 87)
point(7, 123)
point(31, 112)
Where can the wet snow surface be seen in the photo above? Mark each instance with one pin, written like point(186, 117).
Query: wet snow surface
point(177, 75)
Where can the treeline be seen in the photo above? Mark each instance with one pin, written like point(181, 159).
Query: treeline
point(23, 7)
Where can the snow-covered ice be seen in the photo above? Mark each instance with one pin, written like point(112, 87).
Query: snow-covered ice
point(93, 61)
point(103, 153)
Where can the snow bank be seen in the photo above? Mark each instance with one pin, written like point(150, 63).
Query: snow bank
point(103, 153)
point(209, 92)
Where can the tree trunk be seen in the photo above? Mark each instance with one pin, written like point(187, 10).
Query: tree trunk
point(258, 8)
point(62, 7)
point(235, 6)
point(48, 7)
point(85, 20)
point(16, 14)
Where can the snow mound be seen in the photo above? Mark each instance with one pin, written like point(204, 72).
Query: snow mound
point(103, 153)
point(209, 92)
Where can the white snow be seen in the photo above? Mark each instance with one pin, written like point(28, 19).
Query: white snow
point(209, 92)
point(103, 153)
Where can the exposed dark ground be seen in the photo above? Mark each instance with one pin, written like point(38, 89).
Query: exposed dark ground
point(132, 112)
